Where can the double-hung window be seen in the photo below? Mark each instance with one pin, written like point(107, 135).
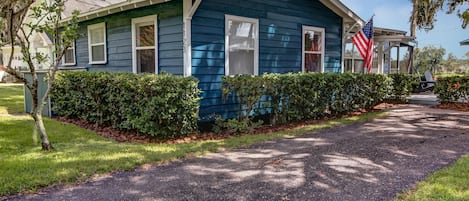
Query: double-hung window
point(144, 45)
point(313, 49)
point(241, 45)
point(97, 43)
point(68, 59)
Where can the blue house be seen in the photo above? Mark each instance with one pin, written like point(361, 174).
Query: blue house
point(211, 38)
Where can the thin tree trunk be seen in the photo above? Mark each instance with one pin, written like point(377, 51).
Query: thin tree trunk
point(413, 18)
point(12, 15)
point(36, 114)
point(39, 126)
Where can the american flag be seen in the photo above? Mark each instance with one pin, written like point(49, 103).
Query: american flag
point(364, 42)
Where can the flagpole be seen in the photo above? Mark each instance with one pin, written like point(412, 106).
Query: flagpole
point(372, 52)
point(367, 70)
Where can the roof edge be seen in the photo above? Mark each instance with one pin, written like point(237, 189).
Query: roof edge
point(342, 10)
point(116, 8)
point(394, 31)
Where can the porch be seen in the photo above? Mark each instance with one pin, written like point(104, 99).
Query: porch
point(391, 52)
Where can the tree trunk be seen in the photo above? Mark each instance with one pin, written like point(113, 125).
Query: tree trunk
point(13, 32)
point(413, 18)
point(39, 126)
point(36, 114)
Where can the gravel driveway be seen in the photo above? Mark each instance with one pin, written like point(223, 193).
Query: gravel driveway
point(363, 161)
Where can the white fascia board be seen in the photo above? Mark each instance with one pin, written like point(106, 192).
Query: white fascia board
point(189, 9)
point(116, 8)
point(346, 13)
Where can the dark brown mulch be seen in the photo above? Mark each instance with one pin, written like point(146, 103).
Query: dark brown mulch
point(463, 107)
point(132, 136)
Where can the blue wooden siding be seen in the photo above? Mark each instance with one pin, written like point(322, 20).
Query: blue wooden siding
point(119, 39)
point(280, 30)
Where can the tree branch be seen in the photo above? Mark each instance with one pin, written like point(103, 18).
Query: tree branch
point(25, 50)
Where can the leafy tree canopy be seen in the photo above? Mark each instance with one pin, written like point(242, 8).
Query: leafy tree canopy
point(428, 57)
point(424, 12)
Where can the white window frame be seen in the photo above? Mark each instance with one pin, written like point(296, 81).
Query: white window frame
point(323, 47)
point(102, 26)
point(227, 40)
point(73, 46)
point(135, 21)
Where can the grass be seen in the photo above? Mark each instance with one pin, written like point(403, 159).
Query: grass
point(449, 184)
point(80, 153)
point(450, 74)
point(11, 99)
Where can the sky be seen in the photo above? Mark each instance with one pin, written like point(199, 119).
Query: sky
point(395, 14)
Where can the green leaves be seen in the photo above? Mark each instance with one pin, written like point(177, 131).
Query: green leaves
point(247, 89)
point(162, 106)
point(428, 56)
point(301, 96)
point(402, 86)
point(45, 17)
point(453, 89)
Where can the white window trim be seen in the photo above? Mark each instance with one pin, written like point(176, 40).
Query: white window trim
point(256, 42)
point(74, 56)
point(323, 46)
point(101, 25)
point(135, 21)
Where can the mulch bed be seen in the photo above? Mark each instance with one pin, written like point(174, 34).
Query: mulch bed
point(132, 136)
point(135, 137)
point(463, 107)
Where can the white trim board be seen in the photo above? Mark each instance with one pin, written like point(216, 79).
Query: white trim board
point(189, 8)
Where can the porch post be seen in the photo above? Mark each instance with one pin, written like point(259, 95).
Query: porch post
point(380, 58)
point(187, 6)
point(353, 58)
point(344, 39)
point(398, 52)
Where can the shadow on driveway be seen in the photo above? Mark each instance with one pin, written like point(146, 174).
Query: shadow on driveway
point(363, 161)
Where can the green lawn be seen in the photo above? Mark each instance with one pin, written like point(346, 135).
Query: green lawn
point(79, 153)
point(11, 99)
point(449, 184)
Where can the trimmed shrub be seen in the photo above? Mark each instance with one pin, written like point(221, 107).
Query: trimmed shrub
point(248, 90)
point(402, 86)
point(162, 106)
point(452, 89)
point(301, 96)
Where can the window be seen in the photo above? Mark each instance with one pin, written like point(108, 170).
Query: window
point(144, 45)
point(97, 43)
point(68, 59)
point(241, 45)
point(313, 49)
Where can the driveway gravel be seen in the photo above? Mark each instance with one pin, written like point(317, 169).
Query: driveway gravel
point(364, 161)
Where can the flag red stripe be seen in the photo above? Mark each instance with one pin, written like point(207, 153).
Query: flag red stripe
point(365, 45)
point(368, 63)
point(361, 42)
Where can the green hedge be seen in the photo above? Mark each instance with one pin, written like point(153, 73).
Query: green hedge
point(300, 96)
point(452, 88)
point(162, 106)
point(402, 86)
